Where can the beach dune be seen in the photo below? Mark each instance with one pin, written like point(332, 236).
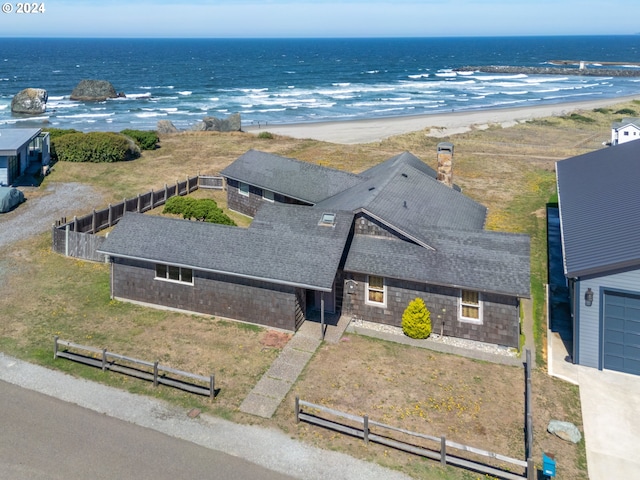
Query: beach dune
point(437, 125)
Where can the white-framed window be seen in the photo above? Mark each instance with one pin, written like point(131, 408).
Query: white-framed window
point(243, 189)
point(267, 195)
point(172, 273)
point(470, 306)
point(376, 291)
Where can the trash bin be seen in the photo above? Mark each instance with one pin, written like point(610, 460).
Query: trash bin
point(548, 465)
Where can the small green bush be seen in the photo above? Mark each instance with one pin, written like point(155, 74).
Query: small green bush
point(606, 111)
point(576, 117)
point(204, 210)
point(416, 320)
point(627, 111)
point(265, 135)
point(145, 139)
point(95, 147)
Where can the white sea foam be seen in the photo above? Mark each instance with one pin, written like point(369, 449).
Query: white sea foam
point(185, 93)
point(88, 115)
point(55, 98)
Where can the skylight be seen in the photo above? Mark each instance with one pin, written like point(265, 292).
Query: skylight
point(328, 219)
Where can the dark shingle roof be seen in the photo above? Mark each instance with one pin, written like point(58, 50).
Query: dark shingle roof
point(307, 258)
point(626, 121)
point(406, 198)
point(479, 260)
point(600, 209)
point(293, 178)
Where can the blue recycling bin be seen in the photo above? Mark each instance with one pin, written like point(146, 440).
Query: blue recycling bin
point(548, 465)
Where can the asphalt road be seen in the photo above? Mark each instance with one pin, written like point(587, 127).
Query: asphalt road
point(46, 438)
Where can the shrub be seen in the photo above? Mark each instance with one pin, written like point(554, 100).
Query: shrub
point(416, 320)
point(204, 210)
point(55, 133)
point(145, 139)
point(626, 111)
point(265, 135)
point(576, 117)
point(95, 147)
point(606, 111)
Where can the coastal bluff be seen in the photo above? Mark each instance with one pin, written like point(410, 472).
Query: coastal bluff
point(593, 72)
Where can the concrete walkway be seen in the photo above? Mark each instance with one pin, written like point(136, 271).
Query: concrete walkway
point(273, 387)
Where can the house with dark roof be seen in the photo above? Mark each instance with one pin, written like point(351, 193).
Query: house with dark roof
point(22, 150)
point(600, 232)
point(362, 245)
point(624, 131)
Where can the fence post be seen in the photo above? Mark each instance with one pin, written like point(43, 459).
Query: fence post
point(124, 206)
point(531, 469)
point(443, 450)
point(75, 223)
point(66, 240)
point(212, 386)
point(104, 359)
point(55, 347)
point(93, 222)
point(529, 419)
point(155, 373)
point(297, 409)
point(139, 200)
point(110, 216)
point(365, 428)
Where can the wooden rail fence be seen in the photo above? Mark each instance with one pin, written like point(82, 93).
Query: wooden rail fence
point(76, 238)
point(151, 371)
point(363, 430)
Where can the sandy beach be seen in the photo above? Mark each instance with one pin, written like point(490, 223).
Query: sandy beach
point(437, 125)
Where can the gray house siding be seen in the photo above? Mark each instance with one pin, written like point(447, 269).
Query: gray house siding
point(589, 324)
point(213, 294)
point(500, 323)
point(366, 225)
point(249, 204)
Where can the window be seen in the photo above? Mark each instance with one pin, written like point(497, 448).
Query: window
point(376, 291)
point(267, 195)
point(470, 306)
point(243, 189)
point(174, 274)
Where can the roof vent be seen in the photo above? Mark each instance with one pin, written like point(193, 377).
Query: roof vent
point(328, 220)
point(372, 188)
point(405, 175)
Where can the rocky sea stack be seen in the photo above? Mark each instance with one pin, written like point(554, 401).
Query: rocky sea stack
point(94, 91)
point(30, 101)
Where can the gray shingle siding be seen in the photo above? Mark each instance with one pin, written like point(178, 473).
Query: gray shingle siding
point(211, 293)
point(500, 312)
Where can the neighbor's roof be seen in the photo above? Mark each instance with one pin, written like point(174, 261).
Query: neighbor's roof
point(11, 139)
point(625, 122)
point(308, 258)
point(600, 210)
point(486, 261)
point(296, 179)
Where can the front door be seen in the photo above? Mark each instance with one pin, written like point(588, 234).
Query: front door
point(329, 300)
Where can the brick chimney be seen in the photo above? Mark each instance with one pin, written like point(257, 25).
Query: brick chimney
point(445, 163)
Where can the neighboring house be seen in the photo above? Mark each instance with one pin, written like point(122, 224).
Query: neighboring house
point(22, 150)
point(625, 131)
point(600, 228)
point(363, 245)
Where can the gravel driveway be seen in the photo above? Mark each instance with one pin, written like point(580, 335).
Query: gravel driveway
point(46, 206)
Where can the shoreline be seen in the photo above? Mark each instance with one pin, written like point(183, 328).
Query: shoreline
point(440, 124)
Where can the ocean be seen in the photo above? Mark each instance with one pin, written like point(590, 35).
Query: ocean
point(285, 81)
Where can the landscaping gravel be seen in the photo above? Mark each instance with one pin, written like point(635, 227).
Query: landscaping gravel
point(37, 215)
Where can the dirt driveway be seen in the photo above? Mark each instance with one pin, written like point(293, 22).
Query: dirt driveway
point(43, 207)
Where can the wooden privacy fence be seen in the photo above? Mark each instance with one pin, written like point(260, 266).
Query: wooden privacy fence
point(151, 371)
point(361, 427)
point(76, 238)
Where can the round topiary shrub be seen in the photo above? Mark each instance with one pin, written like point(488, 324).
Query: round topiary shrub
point(416, 320)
